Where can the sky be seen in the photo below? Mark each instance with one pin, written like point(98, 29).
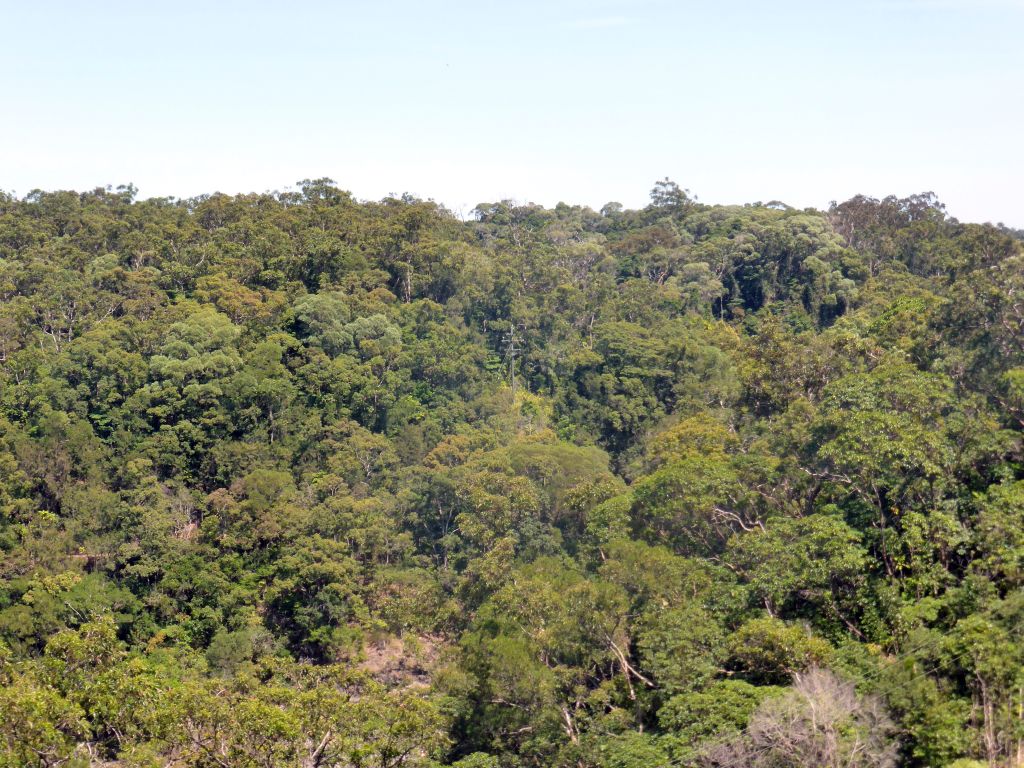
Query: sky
point(585, 102)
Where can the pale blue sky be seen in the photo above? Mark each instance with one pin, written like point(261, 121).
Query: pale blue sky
point(464, 102)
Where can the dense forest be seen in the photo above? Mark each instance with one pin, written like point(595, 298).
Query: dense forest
point(293, 479)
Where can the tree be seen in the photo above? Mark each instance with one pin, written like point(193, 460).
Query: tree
point(256, 449)
point(821, 722)
point(699, 719)
point(38, 726)
point(695, 504)
point(669, 196)
point(805, 565)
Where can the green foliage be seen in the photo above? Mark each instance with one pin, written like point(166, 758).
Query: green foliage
point(39, 726)
point(293, 479)
point(769, 651)
point(721, 709)
point(681, 647)
point(811, 564)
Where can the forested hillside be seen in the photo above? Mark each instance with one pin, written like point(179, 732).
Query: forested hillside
point(297, 480)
